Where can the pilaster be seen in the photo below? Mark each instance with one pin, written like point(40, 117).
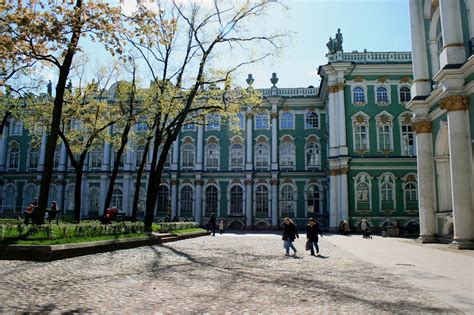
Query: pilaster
point(274, 116)
point(249, 141)
point(198, 206)
point(42, 153)
point(174, 196)
point(200, 148)
point(3, 149)
point(175, 156)
point(453, 50)
point(274, 182)
point(248, 202)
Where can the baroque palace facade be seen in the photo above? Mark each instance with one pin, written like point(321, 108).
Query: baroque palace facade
point(342, 151)
point(443, 98)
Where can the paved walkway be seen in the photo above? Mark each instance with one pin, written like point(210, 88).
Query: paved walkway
point(446, 273)
point(230, 274)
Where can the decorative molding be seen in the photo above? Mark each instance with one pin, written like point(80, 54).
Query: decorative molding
point(405, 80)
point(248, 182)
point(453, 45)
point(248, 115)
point(358, 78)
point(382, 79)
point(174, 182)
point(454, 103)
point(274, 182)
point(274, 115)
point(360, 104)
point(423, 126)
point(199, 182)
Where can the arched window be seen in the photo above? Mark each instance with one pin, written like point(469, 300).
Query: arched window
point(262, 199)
point(313, 199)
point(288, 199)
point(358, 95)
point(312, 153)
point(141, 206)
point(211, 198)
point(262, 155)
point(29, 194)
point(212, 155)
point(236, 200)
point(69, 202)
point(362, 185)
point(95, 158)
point(382, 94)
point(94, 201)
point(187, 155)
point(186, 204)
point(287, 120)
point(387, 191)
point(408, 140)
point(287, 154)
point(33, 156)
point(405, 94)
point(139, 151)
point(9, 198)
point(236, 155)
point(117, 198)
point(384, 132)
point(53, 194)
point(16, 129)
point(262, 121)
point(411, 192)
point(311, 120)
point(163, 199)
point(13, 156)
point(360, 125)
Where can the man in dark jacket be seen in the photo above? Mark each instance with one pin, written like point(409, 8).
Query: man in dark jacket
point(212, 224)
point(312, 231)
point(289, 235)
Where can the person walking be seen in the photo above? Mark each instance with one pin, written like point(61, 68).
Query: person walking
point(364, 226)
point(289, 235)
point(212, 224)
point(221, 227)
point(347, 229)
point(312, 231)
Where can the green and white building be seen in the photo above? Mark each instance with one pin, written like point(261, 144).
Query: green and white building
point(342, 151)
point(443, 67)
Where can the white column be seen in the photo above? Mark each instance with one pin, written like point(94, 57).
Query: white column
point(150, 157)
point(453, 50)
point(433, 44)
point(425, 169)
point(443, 174)
point(461, 169)
point(200, 148)
point(63, 158)
point(42, 153)
point(84, 204)
point(274, 116)
point(126, 194)
point(198, 201)
point(422, 85)
point(175, 156)
point(174, 197)
point(470, 11)
point(341, 126)
point(249, 141)
point(106, 160)
point(333, 204)
point(3, 149)
point(343, 196)
point(248, 203)
point(274, 183)
point(332, 119)
point(103, 185)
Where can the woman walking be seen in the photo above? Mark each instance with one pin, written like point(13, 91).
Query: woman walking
point(312, 231)
point(289, 235)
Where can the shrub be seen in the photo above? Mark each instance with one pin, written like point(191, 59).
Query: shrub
point(171, 226)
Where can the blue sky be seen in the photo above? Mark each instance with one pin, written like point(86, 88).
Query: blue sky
point(375, 25)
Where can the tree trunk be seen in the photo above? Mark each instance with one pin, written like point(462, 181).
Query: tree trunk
point(138, 182)
point(4, 122)
point(52, 139)
point(78, 193)
point(115, 171)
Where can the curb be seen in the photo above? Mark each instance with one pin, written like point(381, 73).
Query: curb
point(56, 252)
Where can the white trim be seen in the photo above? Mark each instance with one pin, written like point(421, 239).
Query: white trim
point(367, 179)
point(404, 183)
point(364, 88)
point(244, 199)
point(390, 124)
point(181, 152)
point(321, 196)
point(318, 143)
point(193, 201)
point(204, 201)
point(393, 179)
point(399, 87)
point(295, 198)
point(219, 119)
point(366, 124)
point(218, 147)
point(265, 113)
point(11, 145)
point(231, 143)
point(293, 120)
point(401, 123)
point(387, 88)
point(318, 114)
point(292, 142)
point(269, 198)
point(15, 196)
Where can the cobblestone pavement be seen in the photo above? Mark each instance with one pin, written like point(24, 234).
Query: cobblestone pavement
point(230, 274)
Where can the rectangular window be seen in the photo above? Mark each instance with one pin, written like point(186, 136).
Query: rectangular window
point(408, 141)
point(312, 120)
point(17, 129)
point(141, 126)
point(96, 159)
point(262, 121)
point(384, 134)
point(213, 122)
point(360, 132)
point(189, 127)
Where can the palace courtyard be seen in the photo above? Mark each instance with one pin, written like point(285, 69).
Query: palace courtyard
point(248, 273)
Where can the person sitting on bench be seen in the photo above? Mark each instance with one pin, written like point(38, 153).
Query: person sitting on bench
point(53, 212)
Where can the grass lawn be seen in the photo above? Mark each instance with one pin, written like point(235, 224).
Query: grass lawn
point(70, 240)
point(185, 231)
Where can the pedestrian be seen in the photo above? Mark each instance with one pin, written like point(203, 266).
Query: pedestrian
point(340, 229)
point(312, 231)
point(212, 225)
point(347, 229)
point(221, 227)
point(289, 235)
point(364, 226)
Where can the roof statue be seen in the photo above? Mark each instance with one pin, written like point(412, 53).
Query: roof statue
point(250, 79)
point(274, 79)
point(335, 44)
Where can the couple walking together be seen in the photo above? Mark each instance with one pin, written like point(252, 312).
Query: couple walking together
point(290, 234)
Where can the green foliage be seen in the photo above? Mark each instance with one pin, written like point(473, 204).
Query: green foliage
point(173, 226)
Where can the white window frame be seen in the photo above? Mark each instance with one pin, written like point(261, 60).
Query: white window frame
point(217, 154)
point(367, 133)
point(268, 162)
point(363, 178)
point(318, 117)
point(229, 200)
point(292, 203)
point(160, 194)
point(231, 156)
point(193, 197)
point(95, 190)
point(96, 157)
point(16, 128)
point(405, 182)
point(292, 156)
point(317, 147)
point(321, 198)
point(400, 93)
point(364, 89)
point(387, 178)
point(218, 199)
point(378, 124)
point(267, 200)
point(27, 200)
point(387, 89)
point(402, 123)
point(5, 205)
point(261, 115)
point(189, 127)
point(187, 165)
point(13, 145)
point(287, 121)
point(29, 159)
point(216, 120)
point(116, 201)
